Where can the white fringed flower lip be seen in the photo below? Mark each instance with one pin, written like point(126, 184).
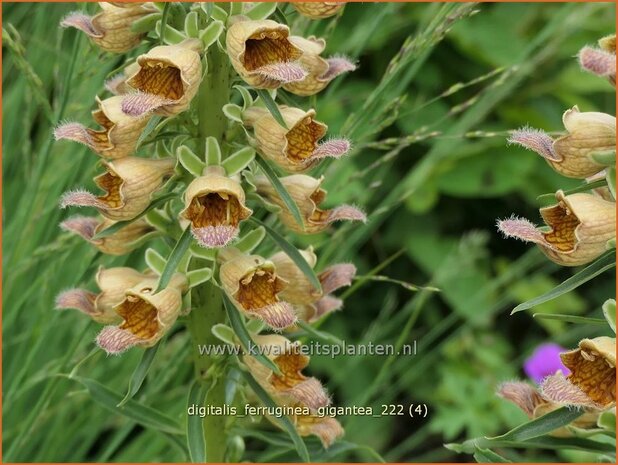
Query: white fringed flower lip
point(579, 227)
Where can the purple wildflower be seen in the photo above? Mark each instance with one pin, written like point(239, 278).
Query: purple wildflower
point(545, 361)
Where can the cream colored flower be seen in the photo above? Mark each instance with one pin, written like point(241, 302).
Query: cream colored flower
point(308, 195)
point(146, 315)
point(111, 28)
point(318, 10)
point(592, 382)
point(118, 135)
point(569, 155)
point(253, 284)
point(215, 206)
point(262, 54)
point(128, 184)
point(112, 282)
point(121, 242)
point(297, 148)
point(327, 429)
point(579, 227)
point(291, 386)
point(312, 304)
point(167, 80)
point(117, 84)
point(320, 71)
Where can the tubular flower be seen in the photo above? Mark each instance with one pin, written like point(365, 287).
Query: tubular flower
point(308, 195)
point(318, 10)
point(118, 135)
point(592, 382)
point(327, 429)
point(311, 303)
point(320, 71)
point(111, 28)
point(254, 285)
point(215, 205)
point(262, 54)
point(569, 155)
point(112, 282)
point(534, 405)
point(117, 84)
point(121, 242)
point(579, 227)
point(296, 149)
point(128, 184)
point(291, 387)
point(146, 316)
point(601, 62)
point(166, 81)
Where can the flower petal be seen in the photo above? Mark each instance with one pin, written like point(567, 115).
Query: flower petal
point(346, 213)
point(142, 104)
point(311, 393)
point(283, 72)
point(327, 304)
point(536, 140)
point(558, 389)
point(113, 84)
point(78, 299)
point(521, 228)
point(525, 396)
point(84, 226)
point(82, 22)
point(334, 148)
point(80, 198)
point(337, 66)
point(114, 340)
point(597, 61)
point(215, 236)
point(279, 315)
point(76, 132)
point(337, 276)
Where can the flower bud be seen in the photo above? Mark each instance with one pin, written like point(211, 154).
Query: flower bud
point(308, 195)
point(569, 155)
point(291, 387)
point(118, 135)
point(311, 303)
point(215, 206)
point(296, 149)
point(146, 316)
point(254, 285)
point(112, 282)
point(592, 382)
point(167, 80)
point(128, 184)
point(579, 227)
point(262, 54)
point(121, 242)
point(320, 71)
point(111, 28)
point(318, 10)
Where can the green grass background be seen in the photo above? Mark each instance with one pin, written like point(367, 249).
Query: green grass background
point(430, 166)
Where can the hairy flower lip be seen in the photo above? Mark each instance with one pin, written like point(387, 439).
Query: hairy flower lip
point(598, 61)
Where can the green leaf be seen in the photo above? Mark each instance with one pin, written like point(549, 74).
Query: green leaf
point(611, 180)
point(202, 252)
point(170, 36)
point(320, 335)
point(251, 240)
point(587, 186)
point(218, 14)
point(602, 264)
point(607, 158)
point(541, 426)
point(261, 10)
point(281, 190)
point(247, 100)
point(283, 421)
point(488, 456)
point(246, 342)
point(238, 161)
point(145, 24)
point(271, 106)
point(192, 28)
point(114, 228)
point(197, 277)
point(174, 259)
point(233, 112)
point(155, 261)
point(211, 33)
point(607, 420)
point(542, 442)
point(213, 152)
point(255, 326)
point(150, 126)
point(609, 311)
point(570, 318)
point(195, 424)
point(146, 416)
point(224, 333)
point(293, 253)
point(140, 372)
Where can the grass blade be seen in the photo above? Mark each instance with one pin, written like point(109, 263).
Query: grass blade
point(139, 375)
point(175, 257)
point(570, 318)
point(541, 426)
point(283, 421)
point(271, 106)
point(281, 190)
point(291, 252)
point(488, 456)
point(195, 425)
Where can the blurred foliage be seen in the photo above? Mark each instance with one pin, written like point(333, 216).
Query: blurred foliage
point(432, 169)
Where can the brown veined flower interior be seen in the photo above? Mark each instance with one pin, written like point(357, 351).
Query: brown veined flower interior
point(265, 48)
point(290, 365)
point(140, 317)
point(258, 289)
point(592, 374)
point(215, 209)
point(101, 138)
point(303, 139)
point(111, 184)
point(159, 78)
point(563, 224)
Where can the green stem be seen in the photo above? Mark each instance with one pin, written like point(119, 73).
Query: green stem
point(206, 300)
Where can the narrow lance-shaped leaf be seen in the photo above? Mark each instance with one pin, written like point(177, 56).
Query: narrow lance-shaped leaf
point(175, 258)
point(213, 152)
point(238, 161)
point(190, 161)
point(140, 373)
point(570, 318)
point(271, 106)
point(154, 261)
point(195, 424)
